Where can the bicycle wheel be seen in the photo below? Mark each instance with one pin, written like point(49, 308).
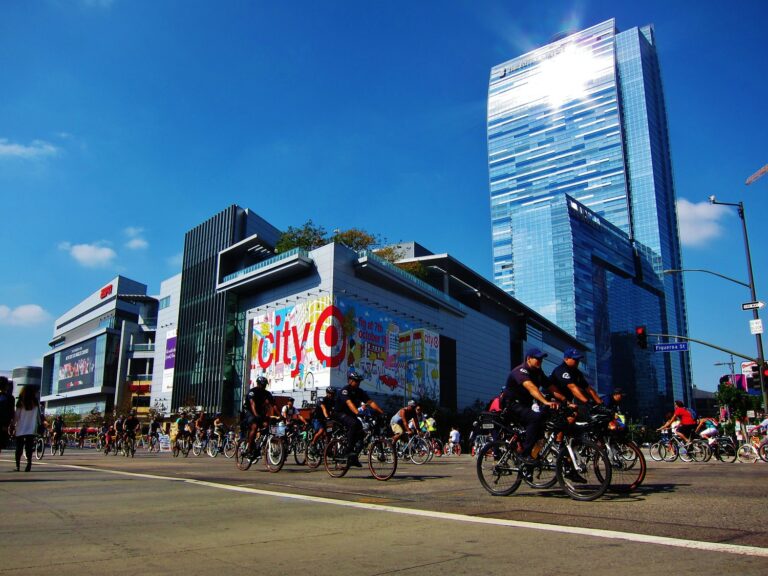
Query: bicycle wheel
point(300, 451)
point(628, 467)
point(418, 451)
point(382, 459)
point(544, 474)
point(54, 449)
point(699, 451)
point(747, 454)
point(62, 444)
point(437, 447)
point(584, 470)
point(496, 469)
point(314, 453)
point(39, 449)
point(655, 452)
point(725, 451)
point(243, 460)
point(669, 453)
point(185, 447)
point(275, 453)
point(197, 447)
point(762, 451)
point(213, 448)
point(230, 448)
point(334, 458)
point(175, 449)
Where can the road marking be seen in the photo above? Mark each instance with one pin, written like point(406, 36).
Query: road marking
point(597, 533)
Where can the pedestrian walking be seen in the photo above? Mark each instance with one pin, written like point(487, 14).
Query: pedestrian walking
point(27, 419)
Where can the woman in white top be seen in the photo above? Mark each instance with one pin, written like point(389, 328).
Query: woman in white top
point(26, 421)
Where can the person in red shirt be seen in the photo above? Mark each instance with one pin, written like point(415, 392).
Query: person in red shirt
point(687, 422)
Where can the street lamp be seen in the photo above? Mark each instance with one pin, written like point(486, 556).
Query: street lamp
point(675, 271)
point(755, 314)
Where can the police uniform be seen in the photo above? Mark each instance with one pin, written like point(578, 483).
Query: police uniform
point(518, 403)
point(259, 397)
point(344, 415)
point(564, 375)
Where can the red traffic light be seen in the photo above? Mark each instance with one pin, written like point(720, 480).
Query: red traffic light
point(765, 371)
point(641, 337)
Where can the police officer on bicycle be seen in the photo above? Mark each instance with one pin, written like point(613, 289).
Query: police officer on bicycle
point(521, 390)
point(347, 402)
point(259, 405)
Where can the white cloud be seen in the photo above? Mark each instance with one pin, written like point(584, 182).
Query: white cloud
point(95, 255)
point(699, 223)
point(24, 315)
point(137, 244)
point(137, 241)
point(37, 149)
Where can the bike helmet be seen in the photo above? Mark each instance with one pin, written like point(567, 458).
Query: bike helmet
point(290, 399)
point(330, 391)
point(353, 374)
point(261, 381)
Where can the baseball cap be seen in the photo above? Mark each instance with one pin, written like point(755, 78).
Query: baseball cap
point(573, 353)
point(536, 353)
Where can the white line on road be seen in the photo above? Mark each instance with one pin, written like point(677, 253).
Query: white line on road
point(607, 534)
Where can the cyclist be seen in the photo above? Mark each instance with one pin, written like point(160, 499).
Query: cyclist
point(200, 425)
point(81, 436)
point(182, 427)
point(405, 421)
point(687, 422)
point(58, 429)
point(154, 429)
point(259, 405)
point(454, 439)
point(291, 414)
point(321, 414)
point(218, 430)
point(109, 439)
point(710, 431)
point(522, 389)
point(119, 427)
point(347, 402)
point(572, 385)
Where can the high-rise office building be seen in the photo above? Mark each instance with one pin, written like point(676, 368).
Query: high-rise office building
point(583, 204)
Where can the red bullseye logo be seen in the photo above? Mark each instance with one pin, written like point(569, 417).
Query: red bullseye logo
point(330, 338)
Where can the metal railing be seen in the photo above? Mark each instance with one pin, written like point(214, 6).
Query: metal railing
point(265, 263)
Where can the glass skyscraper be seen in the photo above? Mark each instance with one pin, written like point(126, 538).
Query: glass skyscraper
point(583, 205)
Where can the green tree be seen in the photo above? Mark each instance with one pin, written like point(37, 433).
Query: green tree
point(354, 238)
point(308, 237)
point(736, 399)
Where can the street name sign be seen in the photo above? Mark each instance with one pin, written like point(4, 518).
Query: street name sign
point(752, 305)
point(671, 347)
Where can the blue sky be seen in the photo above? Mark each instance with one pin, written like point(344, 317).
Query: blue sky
point(125, 123)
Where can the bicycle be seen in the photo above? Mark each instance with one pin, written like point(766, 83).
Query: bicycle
point(451, 448)
point(628, 466)
point(57, 446)
point(382, 454)
point(182, 446)
point(129, 446)
point(201, 442)
point(39, 447)
point(153, 443)
point(268, 445)
point(695, 450)
point(723, 448)
point(297, 441)
point(579, 464)
point(416, 449)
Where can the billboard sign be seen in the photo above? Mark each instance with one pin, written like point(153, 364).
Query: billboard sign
point(77, 366)
point(312, 344)
point(170, 360)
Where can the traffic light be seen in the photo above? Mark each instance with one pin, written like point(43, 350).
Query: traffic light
point(642, 337)
point(764, 370)
point(753, 379)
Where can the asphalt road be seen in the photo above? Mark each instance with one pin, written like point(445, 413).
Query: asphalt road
point(85, 513)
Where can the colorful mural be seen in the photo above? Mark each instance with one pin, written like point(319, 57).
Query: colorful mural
point(311, 346)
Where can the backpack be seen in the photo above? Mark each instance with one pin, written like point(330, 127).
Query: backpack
point(692, 412)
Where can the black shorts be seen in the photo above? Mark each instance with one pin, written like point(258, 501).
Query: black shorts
point(256, 419)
